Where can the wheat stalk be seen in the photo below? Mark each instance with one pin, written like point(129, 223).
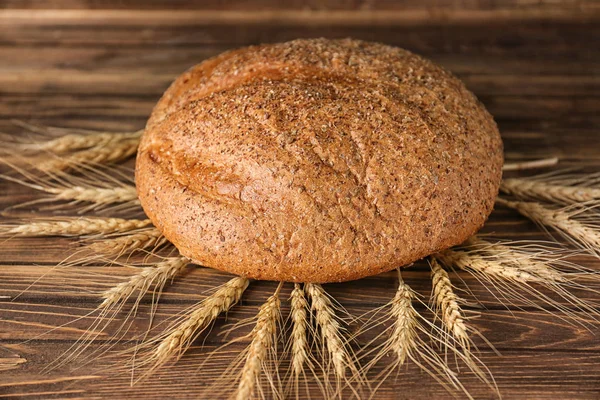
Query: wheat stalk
point(156, 275)
point(561, 194)
point(113, 302)
point(330, 327)
point(181, 336)
point(74, 226)
point(581, 234)
point(447, 302)
point(263, 338)
point(144, 239)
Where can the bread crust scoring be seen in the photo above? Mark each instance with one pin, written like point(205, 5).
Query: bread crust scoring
point(317, 161)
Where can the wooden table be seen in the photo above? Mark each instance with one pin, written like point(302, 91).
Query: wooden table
point(103, 64)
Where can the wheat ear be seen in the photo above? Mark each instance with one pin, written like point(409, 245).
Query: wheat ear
point(96, 195)
point(157, 275)
point(330, 328)
point(264, 336)
point(176, 340)
point(114, 300)
point(110, 152)
point(71, 140)
point(299, 338)
point(477, 263)
point(528, 189)
point(543, 264)
point(447, 303)
point(402, 340)
point(581, 230)
point(524, 165)
point(100, 195)
point(144, 239)
point(95, 187)
point(73, 226)
point(528, 262)
point(506, 272)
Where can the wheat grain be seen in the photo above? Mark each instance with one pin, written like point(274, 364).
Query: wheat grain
point(330, 328)
point(447, 302)
point(299, 331)
point(149, 238)
point(74, 226)
point(180, 338)
point(156, 276)
point(528, 189)
point(581, 234)
point(263, 338)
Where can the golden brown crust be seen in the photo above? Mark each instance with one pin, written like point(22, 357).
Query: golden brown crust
point(317, 161)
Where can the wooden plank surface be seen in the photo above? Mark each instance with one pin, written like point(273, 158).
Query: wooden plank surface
point(103, 64)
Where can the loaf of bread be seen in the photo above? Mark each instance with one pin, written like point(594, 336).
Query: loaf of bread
point(317, 161)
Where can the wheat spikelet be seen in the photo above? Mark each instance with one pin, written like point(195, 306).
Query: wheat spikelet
point(174, 343)
point(263, 338)
point(583, 233)
point(330, 328)
point(148, 238)
point(157, 276)
point(73, 226)
point(447, 303)
point(528, 189)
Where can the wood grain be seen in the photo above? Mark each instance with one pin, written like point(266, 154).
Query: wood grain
point(103, 64)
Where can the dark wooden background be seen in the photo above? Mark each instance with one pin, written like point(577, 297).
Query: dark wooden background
point(103, 64)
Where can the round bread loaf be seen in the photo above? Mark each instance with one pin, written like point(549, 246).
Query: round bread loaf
point(317, 161)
